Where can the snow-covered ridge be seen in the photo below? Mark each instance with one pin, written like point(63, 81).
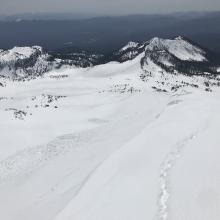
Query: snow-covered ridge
point(30, 62)
point(176, 55)
point(129, 45)
point(24, 62)
point(179, 47)
point(19, 53)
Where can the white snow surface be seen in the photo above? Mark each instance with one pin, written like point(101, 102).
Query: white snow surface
point(100, 144)
point(179, 47)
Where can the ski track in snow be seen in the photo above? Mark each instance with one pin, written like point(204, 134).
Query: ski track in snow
point(165, 172)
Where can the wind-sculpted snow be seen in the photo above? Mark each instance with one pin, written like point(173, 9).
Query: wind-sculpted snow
point(32, 158)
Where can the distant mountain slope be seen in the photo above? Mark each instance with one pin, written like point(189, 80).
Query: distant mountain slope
point(23, 61)
point(177, 54)
point(30, 62)
point(168, 63)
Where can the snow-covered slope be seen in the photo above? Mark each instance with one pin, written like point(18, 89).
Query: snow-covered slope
point(20, 63)
point(178, 47)
point(24, 62)
point(127, 140)
point(18, 53)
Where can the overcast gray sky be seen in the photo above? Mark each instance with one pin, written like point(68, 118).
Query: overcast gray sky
point(106, 6)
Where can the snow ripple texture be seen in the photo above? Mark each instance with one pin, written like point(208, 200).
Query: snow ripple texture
point(29, 159)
